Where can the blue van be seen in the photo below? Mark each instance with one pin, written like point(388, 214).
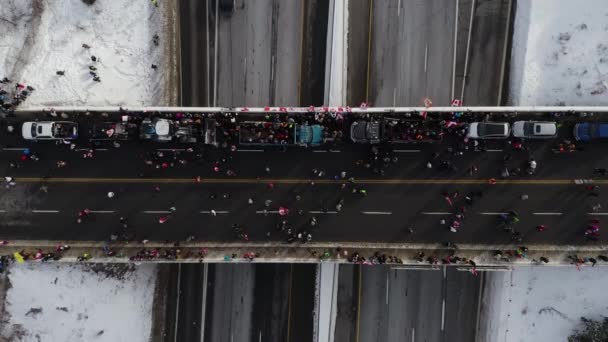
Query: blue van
point(586, 131)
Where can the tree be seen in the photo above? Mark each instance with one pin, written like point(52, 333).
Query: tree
point(591, 331)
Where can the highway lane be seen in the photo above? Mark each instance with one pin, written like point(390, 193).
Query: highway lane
point(390, 208)
point(190, 308)
point(196, 46)
point(230, 313)
point(407, 305)
point(487, 50)
point(412, 52)
point(258, 54)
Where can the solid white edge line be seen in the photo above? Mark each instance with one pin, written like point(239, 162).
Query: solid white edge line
point(443, 314)
point(377, 212)
point(548, 214)
point(45, 211)
point(179, 271)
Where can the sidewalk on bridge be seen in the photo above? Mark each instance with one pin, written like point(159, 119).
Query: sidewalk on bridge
point(482, 255)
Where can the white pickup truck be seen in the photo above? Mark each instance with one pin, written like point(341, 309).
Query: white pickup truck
point(49, 130)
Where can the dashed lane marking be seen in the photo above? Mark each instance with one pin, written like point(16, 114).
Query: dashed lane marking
point(494, 150)
point(250, 150)
point(102, 211)
point(406, 151)
point(266, 211)
point(600, 214)
point(376, 213)
point(548, 214)
point(156, 212)
point(493, 213)
point(14, 148)
point(45, 211)
point(435, 213)
point(325, 151)
point(171, 149)
point(217, 212)
point(322, 212)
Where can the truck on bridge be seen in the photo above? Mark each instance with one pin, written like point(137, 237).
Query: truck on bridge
point(258, 133)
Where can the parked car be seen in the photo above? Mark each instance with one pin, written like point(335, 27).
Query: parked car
point(366, 132)
point(49, 130)
point(488, 130)
point(534, 129)
point(586, 131)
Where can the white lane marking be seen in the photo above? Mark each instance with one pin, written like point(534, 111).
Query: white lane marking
point(2, 211)
point(413, 334)
point(435, 213)
point(94, 149)
point(453, 85)
point(493, 150)
point(250, 150)
point(217, 211)
point(547, 214)
point(14, 148)
point(376, 212)
point(387, 287)
point(323, 151)
point(602, 214)
point(322, 212)
point(398, 7)
point(156, 212)
point(319, 151)
point(171, 149)
point(260, 338)
point(426, 55)
point(179, 271)
point(102, 211)
point(267, 212)
point(272, 69)
point(204, 300)
point(335, 151)
point(442, 314)
point(406, 151)
point(445, 271)
point(492, 213)
point(45, 211)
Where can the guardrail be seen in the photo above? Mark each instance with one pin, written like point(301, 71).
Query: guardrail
point(339, 109)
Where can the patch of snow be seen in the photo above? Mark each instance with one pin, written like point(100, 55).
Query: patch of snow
point(539, 303)
point(559, 53)
point(40, 37)
point(79, 302)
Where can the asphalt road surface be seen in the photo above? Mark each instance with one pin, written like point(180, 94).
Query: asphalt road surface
point(412, 55)
point(258, 54)
point(389, 304)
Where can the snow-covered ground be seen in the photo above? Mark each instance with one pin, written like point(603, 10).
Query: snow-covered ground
point(78, 302)
point(539, 303)
point(40, 37)
point(560, 53)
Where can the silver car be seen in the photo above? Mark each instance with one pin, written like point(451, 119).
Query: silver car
point(534, 129)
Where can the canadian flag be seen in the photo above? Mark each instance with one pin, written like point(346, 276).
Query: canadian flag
point(267, 109)
point(283, 109)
